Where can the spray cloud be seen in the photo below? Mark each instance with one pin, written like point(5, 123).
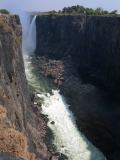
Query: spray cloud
point(28, 28)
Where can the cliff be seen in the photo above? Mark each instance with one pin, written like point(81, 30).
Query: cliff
point(81, 55)
point(21, 128)
point(91, 41)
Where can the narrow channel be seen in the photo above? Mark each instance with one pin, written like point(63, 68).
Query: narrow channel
point(67, 138)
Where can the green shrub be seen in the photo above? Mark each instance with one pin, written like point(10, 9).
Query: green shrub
point(4, 11)
point(52, 12)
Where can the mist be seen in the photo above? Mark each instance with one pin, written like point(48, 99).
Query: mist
point(28, 31)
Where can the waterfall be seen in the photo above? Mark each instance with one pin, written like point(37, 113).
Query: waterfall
point(29, 42)
point(28, 31)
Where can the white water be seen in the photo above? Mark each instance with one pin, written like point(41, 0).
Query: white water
point(25, 22)
point(68, 139)
point(29, 42)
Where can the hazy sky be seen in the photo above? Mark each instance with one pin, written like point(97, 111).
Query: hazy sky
point(46, 5)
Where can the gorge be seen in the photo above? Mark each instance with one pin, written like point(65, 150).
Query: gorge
point(80, 54)
point(55, 107)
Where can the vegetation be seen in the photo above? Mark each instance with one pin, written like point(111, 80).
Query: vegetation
point(52, 12)
point(4, 11)
point(83, 11)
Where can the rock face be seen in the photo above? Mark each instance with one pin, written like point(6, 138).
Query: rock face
point(81, 55)
point(8, 156)
point(91, 41)
point(19, 119)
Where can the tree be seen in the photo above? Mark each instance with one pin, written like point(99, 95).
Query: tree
point(52, 12)
point(114, 12)
point(74, 9)
point(69, 10)
point(64, 10)
point(59, 11)
point(4, 11)
point(98, 11)
point(89, 11)
point(81, 9)
point(105, 12)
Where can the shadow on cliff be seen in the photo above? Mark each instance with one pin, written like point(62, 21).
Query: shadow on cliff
point(94, 97)
point(109, 100)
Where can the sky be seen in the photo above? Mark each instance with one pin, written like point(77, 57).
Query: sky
point(47, 5)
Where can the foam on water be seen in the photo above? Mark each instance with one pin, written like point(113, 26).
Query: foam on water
point(68, 139)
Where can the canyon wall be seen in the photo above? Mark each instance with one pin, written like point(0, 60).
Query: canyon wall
point(22, 127)
point(81, 55)
point(92, 42)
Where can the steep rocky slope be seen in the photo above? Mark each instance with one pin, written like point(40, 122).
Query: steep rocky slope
point(22, 127)
point(81, 55)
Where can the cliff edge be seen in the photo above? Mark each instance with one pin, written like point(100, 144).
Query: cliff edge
point(21, 129)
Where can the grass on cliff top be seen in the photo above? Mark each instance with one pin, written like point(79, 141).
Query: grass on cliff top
point(13, 141)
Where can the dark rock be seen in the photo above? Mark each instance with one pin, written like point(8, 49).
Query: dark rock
point(8, 156)
point(57, 154)
point(84, 39)
point(81, 54)
point(52, 122)
point(14, 93)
